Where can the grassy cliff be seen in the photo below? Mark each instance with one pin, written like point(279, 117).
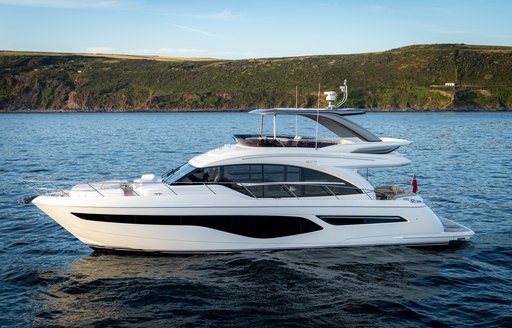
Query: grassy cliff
point(411, 78)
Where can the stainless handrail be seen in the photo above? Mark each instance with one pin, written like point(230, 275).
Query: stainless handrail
point(206, 185)
point(247, 189)
point(254, 184)
point(168, 187)
point(95, 190)
point(323, 185)
point(245, 185)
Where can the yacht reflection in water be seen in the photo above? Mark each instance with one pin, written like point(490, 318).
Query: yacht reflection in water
point(101, 290)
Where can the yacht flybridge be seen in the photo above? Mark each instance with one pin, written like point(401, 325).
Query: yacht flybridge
point(266, 192)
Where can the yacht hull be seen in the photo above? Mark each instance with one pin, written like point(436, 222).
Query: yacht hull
point(105, 226)
point(265, 193)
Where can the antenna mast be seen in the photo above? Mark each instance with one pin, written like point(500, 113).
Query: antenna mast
point(296, 116)
point(317, 118)
point(344, 90)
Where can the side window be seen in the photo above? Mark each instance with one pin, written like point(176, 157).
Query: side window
point(198, 175)
point(312, 175)
point(274, 173)
point(340, 187)
point(243, 173)
point(273, 180)
point(247, 173)
point(293, 174)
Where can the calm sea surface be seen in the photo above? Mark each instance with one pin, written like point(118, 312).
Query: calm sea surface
point(48, 278)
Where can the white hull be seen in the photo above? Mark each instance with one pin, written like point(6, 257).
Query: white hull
point(422, 227)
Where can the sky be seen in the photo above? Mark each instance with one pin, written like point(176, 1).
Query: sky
point(248, 29)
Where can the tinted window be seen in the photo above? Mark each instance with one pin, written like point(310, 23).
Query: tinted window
point(274, 175)
point(243, 173)
point(178, 173)
point(196, 176)
point(354, 220)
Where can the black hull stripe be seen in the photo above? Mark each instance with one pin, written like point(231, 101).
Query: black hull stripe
point(255, 226)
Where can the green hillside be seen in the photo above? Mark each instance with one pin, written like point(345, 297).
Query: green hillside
point(410, 78)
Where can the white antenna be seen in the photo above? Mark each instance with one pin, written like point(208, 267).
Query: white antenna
point(344, 90)
point(261, 125)
point(318, 104)
point(275, 133)
point(296, 116)
point(317, 117)
point(296, 96)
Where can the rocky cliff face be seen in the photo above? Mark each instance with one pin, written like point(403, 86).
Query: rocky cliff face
point(429, 77)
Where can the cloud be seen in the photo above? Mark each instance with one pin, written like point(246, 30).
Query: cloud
point(98, 50)
point(179, 51)
point(151, 52)
point(191, 52)
point(63, 3)
point(191, 29)
point(163, 51)
point(226, 14)
point(234, 54)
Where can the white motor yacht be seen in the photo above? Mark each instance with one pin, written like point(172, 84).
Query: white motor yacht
point(266, 192)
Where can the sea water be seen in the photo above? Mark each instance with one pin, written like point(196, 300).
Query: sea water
point(463, 162)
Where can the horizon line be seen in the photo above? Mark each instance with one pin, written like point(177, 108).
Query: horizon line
point(206, 58)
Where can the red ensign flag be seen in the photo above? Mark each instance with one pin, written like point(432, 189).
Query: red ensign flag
point(414, 184)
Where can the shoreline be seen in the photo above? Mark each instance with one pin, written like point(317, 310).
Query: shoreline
point(387, 110)
point(417, 78)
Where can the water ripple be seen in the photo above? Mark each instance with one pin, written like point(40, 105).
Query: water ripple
point(48, 278)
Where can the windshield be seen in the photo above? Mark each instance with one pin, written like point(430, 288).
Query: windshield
point(177, 173)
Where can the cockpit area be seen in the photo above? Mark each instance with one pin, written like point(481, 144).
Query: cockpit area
point(346, 131)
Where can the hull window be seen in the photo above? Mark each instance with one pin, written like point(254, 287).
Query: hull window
point(353, 220)
point(248, 226)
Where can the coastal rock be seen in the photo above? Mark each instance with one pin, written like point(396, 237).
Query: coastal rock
point(71, 103)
